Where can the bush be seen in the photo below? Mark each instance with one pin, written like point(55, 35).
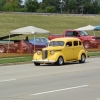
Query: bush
point(40, 10)
point(50, 9)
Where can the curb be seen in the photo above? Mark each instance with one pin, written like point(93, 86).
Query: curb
point(17, 63)
point(28, 62)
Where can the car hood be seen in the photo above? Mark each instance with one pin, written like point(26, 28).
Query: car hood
point(53, 48)
point(91, 37)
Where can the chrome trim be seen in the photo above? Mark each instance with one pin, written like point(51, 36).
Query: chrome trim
point(44, 61)
point(44, 54)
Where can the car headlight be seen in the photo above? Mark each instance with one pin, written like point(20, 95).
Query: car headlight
point(38, 52)
point(51, 52)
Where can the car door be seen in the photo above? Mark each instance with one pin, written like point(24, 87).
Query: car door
point(76, 49)
point(69, 51)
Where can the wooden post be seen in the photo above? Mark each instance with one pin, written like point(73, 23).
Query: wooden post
point(21, 48)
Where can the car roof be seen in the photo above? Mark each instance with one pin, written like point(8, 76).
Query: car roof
point(39, 38)
point(66, 39)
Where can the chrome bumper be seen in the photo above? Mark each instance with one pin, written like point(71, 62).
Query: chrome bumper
point(44, 61)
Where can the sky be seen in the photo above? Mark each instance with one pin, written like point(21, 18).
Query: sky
point(24, 1)
point(38, 0)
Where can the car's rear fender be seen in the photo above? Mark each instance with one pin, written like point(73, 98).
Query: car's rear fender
point(80, 53)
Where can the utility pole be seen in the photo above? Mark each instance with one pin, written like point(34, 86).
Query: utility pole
point(61, 5)
point(82, 9)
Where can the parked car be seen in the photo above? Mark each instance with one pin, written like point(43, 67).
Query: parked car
point(89, 41)
point(60, 51)
point(14, 46)
point(39, 40)
point(8, 46)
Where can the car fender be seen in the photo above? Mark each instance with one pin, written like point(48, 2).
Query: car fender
point(56, 55)
point(37, 56)
point(80, 53)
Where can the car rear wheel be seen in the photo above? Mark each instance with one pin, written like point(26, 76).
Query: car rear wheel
point(37, 64)
point(60, 61)
point(87, 44)
point(83, 58)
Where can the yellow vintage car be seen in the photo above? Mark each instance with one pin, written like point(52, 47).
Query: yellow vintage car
point(60, 51)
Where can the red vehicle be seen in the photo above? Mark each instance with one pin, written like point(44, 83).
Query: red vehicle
point(14, 46)
point(88, 40)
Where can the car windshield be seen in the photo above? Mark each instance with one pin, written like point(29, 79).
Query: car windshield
point(44, 40)
point(83, 33)
point(56, 43)
point(37, 40)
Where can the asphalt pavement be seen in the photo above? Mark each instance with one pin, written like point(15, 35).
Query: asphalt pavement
point(72, 81)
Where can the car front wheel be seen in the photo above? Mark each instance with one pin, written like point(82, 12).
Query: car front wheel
point(60, 61)
point(83, 58)
point(37, 64)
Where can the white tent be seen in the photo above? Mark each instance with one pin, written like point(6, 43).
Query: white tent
point(28, 30)
point(86, 28)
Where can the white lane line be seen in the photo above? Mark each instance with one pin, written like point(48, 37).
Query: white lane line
point(59, 90)
point(8, 80)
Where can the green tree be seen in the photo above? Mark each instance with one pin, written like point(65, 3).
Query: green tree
point(2, 3)
point(91, 7)
point(12, 5)
point(96, 7)
point(72, 6)
point(51, 2)
point(32, 5)
point(20, 1)
point(48, 4)
point(66, 2)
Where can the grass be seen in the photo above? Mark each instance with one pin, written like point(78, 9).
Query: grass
point(56, 24)
point(29, 58)
point(93, 54)
point(16, 59)
point(53, 23)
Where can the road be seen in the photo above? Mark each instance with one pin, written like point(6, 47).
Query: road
point(72, 81)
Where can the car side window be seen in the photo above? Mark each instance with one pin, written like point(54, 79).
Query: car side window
point(75, 43)
point(75, 33)
point(80, 43)
point(69, 44)
point(69, 33)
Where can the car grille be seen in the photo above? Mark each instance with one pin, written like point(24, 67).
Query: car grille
point(44, 54)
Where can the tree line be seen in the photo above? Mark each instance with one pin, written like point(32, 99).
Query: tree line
point(52, 6)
